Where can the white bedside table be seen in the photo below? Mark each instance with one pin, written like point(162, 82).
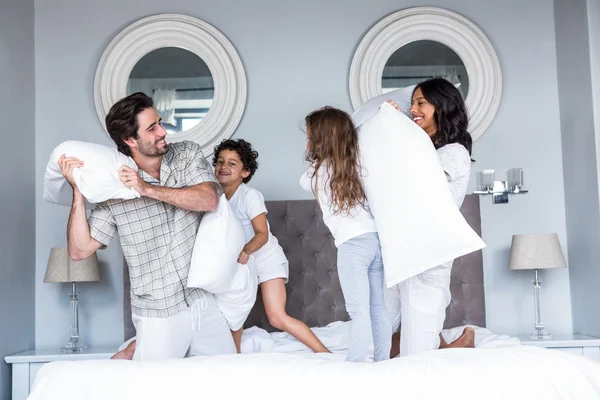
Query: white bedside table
point(578, 344)
point(25, 365)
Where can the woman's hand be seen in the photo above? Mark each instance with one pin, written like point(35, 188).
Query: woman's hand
point(396, 106)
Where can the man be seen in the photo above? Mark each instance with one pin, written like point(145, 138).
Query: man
point(157, 233)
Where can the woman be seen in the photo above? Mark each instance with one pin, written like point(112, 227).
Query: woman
point(421, 301)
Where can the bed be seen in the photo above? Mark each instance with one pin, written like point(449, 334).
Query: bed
point(275, 365)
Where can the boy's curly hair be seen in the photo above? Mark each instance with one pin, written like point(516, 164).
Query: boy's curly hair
point(244, 149)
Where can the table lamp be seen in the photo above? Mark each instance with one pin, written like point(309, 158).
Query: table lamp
point(539, 251)
point(61, 268)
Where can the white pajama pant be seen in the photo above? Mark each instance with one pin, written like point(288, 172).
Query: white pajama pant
point(199, 330)
point(418, 307)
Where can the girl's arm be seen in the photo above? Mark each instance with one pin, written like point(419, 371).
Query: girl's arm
point(261, 236)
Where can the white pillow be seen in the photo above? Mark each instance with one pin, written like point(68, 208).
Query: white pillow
point(98, 179)
point(219, 241)
point(402, 97)
point(237, 301)
point(419, 224)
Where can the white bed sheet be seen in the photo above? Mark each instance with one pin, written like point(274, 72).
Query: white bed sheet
point(335, 337)
point(278, 366)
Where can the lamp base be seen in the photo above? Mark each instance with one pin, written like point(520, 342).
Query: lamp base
point(74, 347)
point(540, 334)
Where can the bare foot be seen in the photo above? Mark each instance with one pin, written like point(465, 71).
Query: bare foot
point(126, 353)
point(466, 340)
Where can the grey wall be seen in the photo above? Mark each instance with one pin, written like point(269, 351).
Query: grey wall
point(297, 56)
point(593, 23)
point(17, 214)
point(588, 316)
point(580, 161)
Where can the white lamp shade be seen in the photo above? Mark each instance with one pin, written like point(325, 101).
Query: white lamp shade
point(540, 251)
point(61, 268)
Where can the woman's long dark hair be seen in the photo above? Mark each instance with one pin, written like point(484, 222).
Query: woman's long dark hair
point(450, 117)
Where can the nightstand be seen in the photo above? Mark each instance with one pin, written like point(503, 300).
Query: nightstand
point(25, 365)
point(586, 346)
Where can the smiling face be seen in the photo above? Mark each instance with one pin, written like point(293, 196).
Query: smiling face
point(423, 113)
point(229, 168)
point(150, 141)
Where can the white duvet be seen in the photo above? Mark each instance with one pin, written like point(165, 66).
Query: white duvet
point(500, 368)
point(335, 337)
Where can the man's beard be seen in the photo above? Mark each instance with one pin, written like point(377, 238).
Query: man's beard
point(150, 150)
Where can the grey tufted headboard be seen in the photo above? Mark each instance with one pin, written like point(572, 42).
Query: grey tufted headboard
point(313, 290)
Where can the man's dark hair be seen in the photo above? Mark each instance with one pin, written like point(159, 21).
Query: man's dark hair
point(121, 120)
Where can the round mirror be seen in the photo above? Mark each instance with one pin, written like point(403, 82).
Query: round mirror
point(180, 84)
point(421, 60)
point(412, 45)
point(190, 69)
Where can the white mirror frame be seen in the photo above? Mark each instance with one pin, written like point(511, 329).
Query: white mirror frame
point(192, 34)
point(443, 26)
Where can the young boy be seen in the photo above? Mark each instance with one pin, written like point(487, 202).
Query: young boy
point(235, 163)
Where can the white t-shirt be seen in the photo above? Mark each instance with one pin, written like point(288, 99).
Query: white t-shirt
point(248, 203)
point(456, 162)
point(343, 226)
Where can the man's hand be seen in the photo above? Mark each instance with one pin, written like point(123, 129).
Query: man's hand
point(131, 179)
point(243, 257)
point(67, 165)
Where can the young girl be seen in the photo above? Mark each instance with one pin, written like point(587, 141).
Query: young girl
point(335, 179)
point(421, 301)
point(235, 164)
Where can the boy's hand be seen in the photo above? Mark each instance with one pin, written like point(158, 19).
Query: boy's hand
point(243, 257)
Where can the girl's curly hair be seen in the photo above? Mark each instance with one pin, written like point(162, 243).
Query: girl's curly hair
point(244, 149)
